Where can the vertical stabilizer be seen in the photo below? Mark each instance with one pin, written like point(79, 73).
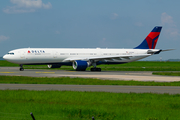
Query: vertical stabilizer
point(151, 40)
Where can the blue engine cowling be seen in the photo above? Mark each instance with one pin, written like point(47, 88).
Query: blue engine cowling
point(80, 65)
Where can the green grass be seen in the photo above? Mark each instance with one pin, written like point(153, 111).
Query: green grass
point(66, 105)
point(167, 73)
point(143, 66)
point(78, 81)
point(133, 66)
point(4, 63)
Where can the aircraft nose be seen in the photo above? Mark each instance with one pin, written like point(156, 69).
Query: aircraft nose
point(5, 57)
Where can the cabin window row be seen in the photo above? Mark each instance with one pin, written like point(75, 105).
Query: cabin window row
point(92, 53)
point(78, 54)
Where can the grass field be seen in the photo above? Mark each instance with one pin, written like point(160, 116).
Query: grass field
point(133, 66)
point(167, 73)
point(78, 81)
point(66, 105)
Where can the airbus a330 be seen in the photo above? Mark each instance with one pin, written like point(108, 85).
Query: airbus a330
point(81, 58)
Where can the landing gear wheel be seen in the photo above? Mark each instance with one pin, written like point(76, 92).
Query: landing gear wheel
point(96, 69)
point(93, 69)
point(99, 69)
point(21, 69)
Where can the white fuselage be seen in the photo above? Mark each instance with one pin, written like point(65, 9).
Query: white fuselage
point(60, 55)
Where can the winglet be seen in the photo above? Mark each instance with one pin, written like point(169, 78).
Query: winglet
point(151, 40)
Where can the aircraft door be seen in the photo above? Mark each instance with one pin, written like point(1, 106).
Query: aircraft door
point(55, 53)
point(99, 52)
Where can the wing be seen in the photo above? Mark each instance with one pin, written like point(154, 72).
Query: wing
point(100, 58)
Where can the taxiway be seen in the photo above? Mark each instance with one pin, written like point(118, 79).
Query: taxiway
point(104, 75)
point(93, 88)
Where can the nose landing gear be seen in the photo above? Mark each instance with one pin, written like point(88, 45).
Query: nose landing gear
point(21, 68)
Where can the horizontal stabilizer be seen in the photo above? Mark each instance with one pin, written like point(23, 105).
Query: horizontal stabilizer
point(155, 51)
point(167, 50)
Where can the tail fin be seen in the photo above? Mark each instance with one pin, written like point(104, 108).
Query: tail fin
point(151, 40)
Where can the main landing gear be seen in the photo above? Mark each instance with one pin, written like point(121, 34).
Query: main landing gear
point(21, 68)
point(95, 68)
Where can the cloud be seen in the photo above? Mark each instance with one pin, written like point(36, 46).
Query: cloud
point(3, 38)
point(166, 19)
point(114, 16)
point(25, 6)
point(169, 24)
point(12, 10)
point(47, 6)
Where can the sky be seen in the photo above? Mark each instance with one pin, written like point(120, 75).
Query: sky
point(89, 24)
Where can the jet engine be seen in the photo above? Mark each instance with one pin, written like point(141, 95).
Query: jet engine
point(54, 66)
point(80, 65)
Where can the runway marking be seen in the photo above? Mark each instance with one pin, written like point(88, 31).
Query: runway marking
point(45, 72)
point(7, 72)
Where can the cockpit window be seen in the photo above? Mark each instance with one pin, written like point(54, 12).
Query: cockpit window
point(10, 53)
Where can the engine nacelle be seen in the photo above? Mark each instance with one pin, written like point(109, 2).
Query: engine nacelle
point(80, 65)
point(54, 66)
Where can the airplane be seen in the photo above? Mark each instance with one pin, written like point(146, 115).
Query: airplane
point(81, 58)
